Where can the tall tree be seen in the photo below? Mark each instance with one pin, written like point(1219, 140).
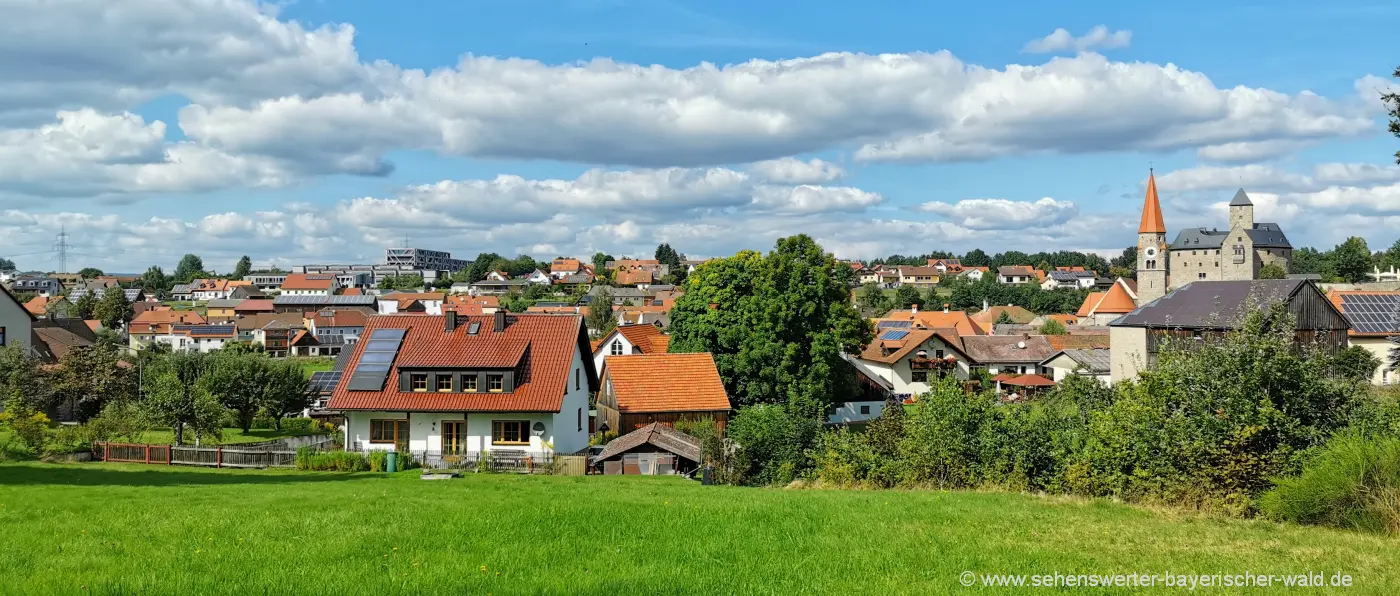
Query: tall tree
point(1352, 259)
point(907, 296)
point(243, 268)
point(1272, 271)
point(777, 326)
point(236, 379)
point(154, 280)
point(1392, 104)
point(113, 310)
point(93, 376)
point(600, 262)
point(85, 307)
point(873, 299)
point(481, 266)
point(976, 258)
point(7, 265)
point(89, 272)
point(177, 395)
point(190, 267)
point(285, 393)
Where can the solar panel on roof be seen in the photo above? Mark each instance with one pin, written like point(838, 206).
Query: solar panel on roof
point(888, 324)
point(324, 381)
point(894, 335)
point(379, 352)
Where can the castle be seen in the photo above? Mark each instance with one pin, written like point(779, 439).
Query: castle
point(1201, 254)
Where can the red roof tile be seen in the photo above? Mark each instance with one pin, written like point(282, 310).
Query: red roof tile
point(303, 281)
point(666, 383)
point(254, 305)
point(547, 344)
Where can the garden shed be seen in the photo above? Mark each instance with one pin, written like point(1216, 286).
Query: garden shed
point(653, 450)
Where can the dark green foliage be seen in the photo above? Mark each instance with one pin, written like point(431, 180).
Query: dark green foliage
point(600, 319)
point(89, 272)
point(970, 295)
point(773, 443)
point(1272, 271)
point(7, 265)
point(331, 461)
point(113, 309)
point(85, 307)
point(1392, 105)
point(907, 296)
point(243, 268)
point(1352, 259)
point(190, 267)
point(155, 281)
point(1052, 327)
point(1355, 363)
point(401, 282)
point(777, 326)
point(1353, 482)
point(872, 300)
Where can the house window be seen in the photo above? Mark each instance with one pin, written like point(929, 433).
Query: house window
point(495, 383)
point(1201, 275)
point(938, 354)
point(388, 431)
point(577, 374)
point(865, 410)
point(580, 419)
point(2, 336)
point(469, 383)
point(444, 384)
point(920, 376)
point(510, 432)
point(616, 347)
point(418, 382)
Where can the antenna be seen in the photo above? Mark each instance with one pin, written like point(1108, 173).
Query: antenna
point(60, 248)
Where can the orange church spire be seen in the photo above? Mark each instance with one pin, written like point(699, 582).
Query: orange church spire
point(1152, 210)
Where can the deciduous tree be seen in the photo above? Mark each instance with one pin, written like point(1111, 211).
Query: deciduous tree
point(243, 268)
point(177, 395)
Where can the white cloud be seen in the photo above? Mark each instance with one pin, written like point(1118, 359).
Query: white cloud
point(1262, 177)
point(1098, 37)
point(790, 170)
point(1248, 152)
point(1003, 214)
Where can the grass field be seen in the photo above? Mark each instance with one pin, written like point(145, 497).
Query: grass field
point(314, 364)
point(108, 528)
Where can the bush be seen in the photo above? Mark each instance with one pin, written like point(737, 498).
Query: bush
point(301, 425)
point(1353, 482)
point(308, 458)
point(773, 443)
point(378, 460)
point(31, 427)
point(602, 438)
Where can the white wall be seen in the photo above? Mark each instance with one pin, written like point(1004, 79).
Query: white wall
point(605, 350)
point(1129, 352)
point(1380, 348)
point(901, 377)
point(569, 437)
point(849, 412)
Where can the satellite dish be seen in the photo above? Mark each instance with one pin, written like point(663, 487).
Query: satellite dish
point(1020, 345)
point(537, 429)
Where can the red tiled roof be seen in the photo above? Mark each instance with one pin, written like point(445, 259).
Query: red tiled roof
point(302, 281)
point(552, 342)
point(1029, 381)
point(666, 383)
point(936, 319)
point(339, 318)
point(1078, 342)
point(484, 301)
point(159, 321)
point(633, 277)
point(93, 325)
point(1152, 210)
point(564, 266)
point(37, 305)
point(254, 305)
point(647, 338)
point(352, 292)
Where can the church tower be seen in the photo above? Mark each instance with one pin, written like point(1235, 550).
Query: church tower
point(1152, 247)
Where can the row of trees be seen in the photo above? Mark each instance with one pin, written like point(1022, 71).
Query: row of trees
point(1045, 261)
point(961, 294)
point(186, 391)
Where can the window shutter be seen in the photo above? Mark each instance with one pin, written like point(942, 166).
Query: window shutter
point(508, 383)
point(405, 381)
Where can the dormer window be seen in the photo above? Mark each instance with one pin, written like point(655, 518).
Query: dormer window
point(444, 384)
point(616, 349)
point(418, 382)
point(469, 383)
point(495, 383)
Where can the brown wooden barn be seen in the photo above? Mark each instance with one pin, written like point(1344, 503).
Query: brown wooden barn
point(641, 389)
point(653, 450)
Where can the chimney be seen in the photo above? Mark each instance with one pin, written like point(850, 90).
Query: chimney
point(945, 308)
point(914, 309)
point(451, 317)
point(984, 304)
point(500, 321)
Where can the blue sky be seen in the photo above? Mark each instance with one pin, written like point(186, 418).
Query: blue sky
point(322, 131)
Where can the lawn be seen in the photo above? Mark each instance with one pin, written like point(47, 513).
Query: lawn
point(314, 364)
point(231, 436)
point(110, 528)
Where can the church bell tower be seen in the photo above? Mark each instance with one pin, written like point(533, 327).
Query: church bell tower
point(1152, 247)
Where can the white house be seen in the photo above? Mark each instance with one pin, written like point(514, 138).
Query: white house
point(498, 276)
point(465, 385)
point(197, 338)
point(539, 277)
point(310, 284)
point(1016, 274)
point(907, 359)
point(205, 290)
point(629, 339)
point(1080, 279)
point(1094, 363)
point(1373, 325)
point(974, 273)
point(424, 303)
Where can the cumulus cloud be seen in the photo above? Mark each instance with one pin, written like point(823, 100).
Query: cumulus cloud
point(1061, 39)
point(790, 170)
point(1269, 178)
point(1003, 214)
point(1248, 152)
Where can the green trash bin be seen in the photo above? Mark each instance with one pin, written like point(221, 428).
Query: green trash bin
point(391, 462)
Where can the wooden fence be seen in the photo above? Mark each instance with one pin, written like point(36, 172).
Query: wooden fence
point(216, 457)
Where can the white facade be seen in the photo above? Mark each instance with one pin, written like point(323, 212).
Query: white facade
point(902, 379)
point(306, 292)
point(973, 274)
point(853, 412)
point(539, 277)
point(565, 431)
point(1061, 367)
point(185, 343)
point(1380, 348)
point(616, 345)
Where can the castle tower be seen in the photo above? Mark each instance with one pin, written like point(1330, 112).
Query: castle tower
point(1152, 247)
point(1241, 212)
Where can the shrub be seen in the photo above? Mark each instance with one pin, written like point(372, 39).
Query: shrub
point(602, 438)
point(300, 425)
point(68, 438)
point(31, 427)
point(330, 461)
point(1353, 482)
point(378, 460)
point(773, 443)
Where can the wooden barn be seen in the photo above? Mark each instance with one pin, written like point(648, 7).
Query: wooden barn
point(641, 389)
point(653, 450)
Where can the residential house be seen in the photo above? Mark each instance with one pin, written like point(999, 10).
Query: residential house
point(309, 284)
point(223, 309)
point(42, 285)
point(133, 295)
point(629, 339)
point(989, 315)
point(1069, 277)
point(304, 343)
point(572, 281)
point(975, 273)
point(539, 277)
point(246, 291)
point(427, 303)
point(181, 293)
point(449, 385)
point(1375, 323)
point(562, 268)
point(249, 326)
point(998, 354)
point(908, 359)
point(655, 316)
point(868, 275)
point(473, 304)
point(204, 290)
point(197, 338)
point(930, 319)
point(53, 306)
point(653, 450)
point(497, 287)
point(267, 282)
point(497, 275)
point(1016, 274)
point(336, 329)
point(1207, 310)
point(946, 266)
point(16, 323)
point(1102, 308)
point(276, 337)
point(642, 389)
point(633, 277)
point(253, 306)
point(302, 304)
point(620, 296)
point(147, 326)
point(1094, 363)
point(919, 277)
point(657, 269)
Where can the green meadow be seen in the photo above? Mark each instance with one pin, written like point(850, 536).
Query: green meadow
point(123, 529)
